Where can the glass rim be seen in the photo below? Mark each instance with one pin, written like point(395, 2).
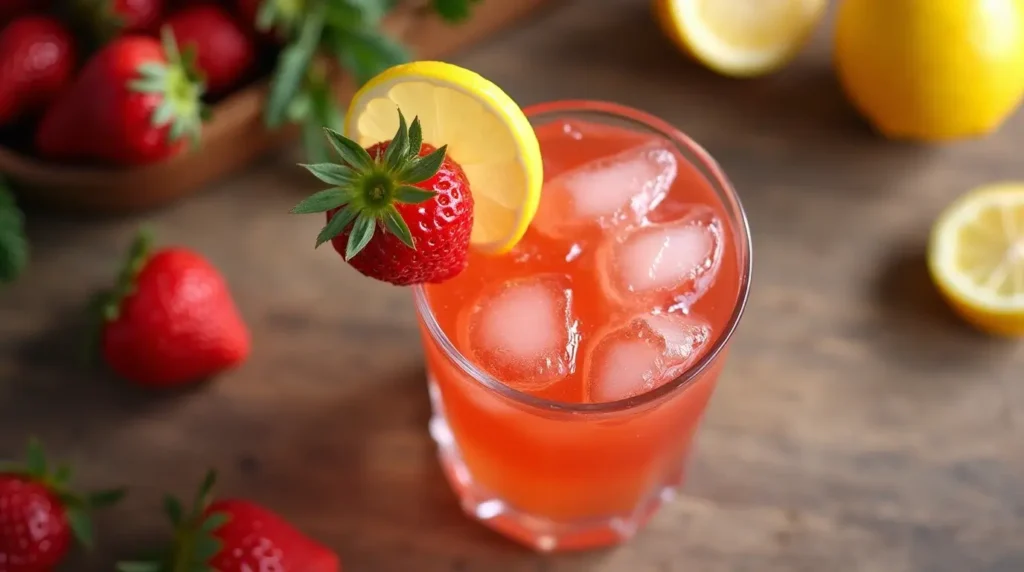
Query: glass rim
point(741, 227)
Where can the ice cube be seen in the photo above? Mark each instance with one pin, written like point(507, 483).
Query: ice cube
point(607, 192)
point(642, 354)
point(661, 263)
point(525, 332)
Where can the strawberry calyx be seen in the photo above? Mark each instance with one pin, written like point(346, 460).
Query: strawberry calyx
point(56, 479)
point(106, 305)
point(194, 541)
point(180, 85)
point(366, 189)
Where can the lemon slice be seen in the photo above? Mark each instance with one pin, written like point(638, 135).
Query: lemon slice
point(486, 133)
point(976, 257)
point(740, 37)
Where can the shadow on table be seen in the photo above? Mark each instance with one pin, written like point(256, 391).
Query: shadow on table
point(918, 327)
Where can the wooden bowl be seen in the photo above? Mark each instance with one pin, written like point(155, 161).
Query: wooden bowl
point(235, 136)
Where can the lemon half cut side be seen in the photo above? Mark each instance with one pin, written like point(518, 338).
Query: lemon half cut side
point(485, 131)
point(976, 257)
point(740, 38)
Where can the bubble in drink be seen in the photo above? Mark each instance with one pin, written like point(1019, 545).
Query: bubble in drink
point(525, 332)
point(666, 263)
point(642, 354)
point(607, 192)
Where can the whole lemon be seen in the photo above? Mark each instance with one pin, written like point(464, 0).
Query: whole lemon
point(932, 70)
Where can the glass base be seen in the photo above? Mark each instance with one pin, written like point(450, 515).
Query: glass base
point(537, 532)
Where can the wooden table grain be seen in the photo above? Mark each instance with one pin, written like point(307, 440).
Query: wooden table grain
point(858, 427)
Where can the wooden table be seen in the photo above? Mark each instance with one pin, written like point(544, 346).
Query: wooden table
point(858, 427)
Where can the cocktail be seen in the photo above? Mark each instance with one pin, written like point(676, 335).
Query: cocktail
point(572, 354)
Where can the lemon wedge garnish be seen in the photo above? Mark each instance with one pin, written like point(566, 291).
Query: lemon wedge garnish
point(486, 133)
point(740, 37)
point(976, 257)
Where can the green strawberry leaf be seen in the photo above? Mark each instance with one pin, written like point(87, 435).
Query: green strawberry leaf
point(453, 10)
point(331, 173)
point(338, 222)
point(81, 526)
point(323, 201)
point(413, 195)
point(362, 234)
point(350, 151)
point(13, 242)
point(423, 168)
point(105, 498)
point(396, 225)
point(174, 511)
point(399, 146)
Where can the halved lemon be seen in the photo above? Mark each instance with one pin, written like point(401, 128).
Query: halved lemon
point(740, 37)
point(976, 257)
point(486, 133)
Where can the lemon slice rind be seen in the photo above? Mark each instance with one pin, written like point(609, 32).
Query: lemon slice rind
point(976, 256)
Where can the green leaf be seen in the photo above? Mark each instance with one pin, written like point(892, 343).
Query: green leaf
point(174, 511)
point(205, 548)
point(81, 526)
point(399, 146)
point(13, 242)
point(35, 459)
point(322, 201)
point(337, 224)
point(205, 494)
point(415, 137)
point(323, 111)
point(214, 522)
point(291, 68)
point(413, 195)
point(105, 498)
point(350, 151)
point(332, 173)
point(396, 225)
point(453, 10)
point(423, 168)
point(365, 52)
point(362, 234)
point(139, 567)
point(62, 474)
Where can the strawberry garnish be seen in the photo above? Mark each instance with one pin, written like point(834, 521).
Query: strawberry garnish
point(233, 535)
point(40, 514)
point(400, 211)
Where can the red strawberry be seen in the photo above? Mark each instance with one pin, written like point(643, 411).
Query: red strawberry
point(171, 319)
point(417, 198)
point(39, 514)
point(236, 536)
point(133, 103)
point(37, 62)
point(225, 54)
point(107, 19)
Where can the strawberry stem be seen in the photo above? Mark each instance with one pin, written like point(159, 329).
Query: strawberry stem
point(194, 541)
point(106, 306)
point(367, 189)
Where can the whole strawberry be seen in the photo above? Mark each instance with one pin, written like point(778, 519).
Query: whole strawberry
point(170, 320)
point(135, 102)
point(224, 53)
point(235, 535)
point(400, 211)
point(39, 515)
point(107, 19)
point(37, 62)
